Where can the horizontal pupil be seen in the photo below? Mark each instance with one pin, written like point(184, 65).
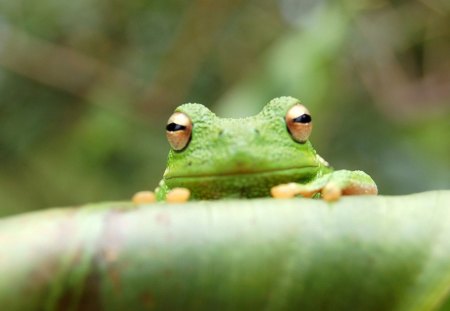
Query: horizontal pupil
point(173, 127)
point(304, 118)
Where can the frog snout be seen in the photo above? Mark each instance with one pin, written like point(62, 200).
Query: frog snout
point(242, 152)
point(238, 134)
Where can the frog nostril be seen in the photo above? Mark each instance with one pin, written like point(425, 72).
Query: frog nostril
point(257, 132)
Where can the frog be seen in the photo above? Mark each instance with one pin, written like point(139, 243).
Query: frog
point(265, 155)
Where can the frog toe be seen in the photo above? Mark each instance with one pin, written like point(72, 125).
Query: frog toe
point(283, 191)
point(359, 189)
point(331, 192)
point(143, 197)
point(178, 195)
point(290, 190)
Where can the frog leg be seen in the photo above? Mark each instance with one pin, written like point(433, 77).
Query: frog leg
point(161, 191)
point(344, 182)
point(307, 190)
point(331, 186)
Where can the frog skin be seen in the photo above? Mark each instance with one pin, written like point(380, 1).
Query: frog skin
point(268, 154)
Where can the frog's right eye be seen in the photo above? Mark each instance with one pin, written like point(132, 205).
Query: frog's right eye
point(178, 130)
point(299, 123)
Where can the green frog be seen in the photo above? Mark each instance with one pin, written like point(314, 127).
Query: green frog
point(268, 154)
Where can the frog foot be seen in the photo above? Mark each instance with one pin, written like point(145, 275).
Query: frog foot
point(178, 195)
point(333, 191)
point(330, 192)
point(290, 190)
point(330, 186)
point(143, 197)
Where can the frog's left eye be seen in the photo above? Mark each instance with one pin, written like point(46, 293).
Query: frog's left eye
point(178, 130)
point(299, 123)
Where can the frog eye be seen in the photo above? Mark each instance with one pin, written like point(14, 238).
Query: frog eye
point(178, 130)
point(299, 123)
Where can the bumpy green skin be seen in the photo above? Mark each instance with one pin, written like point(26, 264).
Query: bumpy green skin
point(245, 158)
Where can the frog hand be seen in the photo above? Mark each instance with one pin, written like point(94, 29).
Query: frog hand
point(162, 194)
point(174, 195)
point(330, 186)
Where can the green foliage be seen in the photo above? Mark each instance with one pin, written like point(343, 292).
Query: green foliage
point(86, 87)
point(361, 253)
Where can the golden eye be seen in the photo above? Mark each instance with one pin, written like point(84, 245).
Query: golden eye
point(299, 123)
point(178, 130)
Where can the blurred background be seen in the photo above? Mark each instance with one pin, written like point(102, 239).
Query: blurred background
point(86, 87)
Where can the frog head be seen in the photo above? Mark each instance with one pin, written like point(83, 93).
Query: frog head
point(222, 157)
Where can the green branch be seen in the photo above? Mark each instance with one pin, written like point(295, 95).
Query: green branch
point(361, 253)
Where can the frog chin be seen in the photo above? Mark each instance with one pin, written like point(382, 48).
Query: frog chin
point(243, 184)
point(306, 171)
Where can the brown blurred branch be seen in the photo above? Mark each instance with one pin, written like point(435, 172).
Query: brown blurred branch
point(57, 66)
point(398, 93)
point(76, 73)
point(231, 255)
point(196, 38)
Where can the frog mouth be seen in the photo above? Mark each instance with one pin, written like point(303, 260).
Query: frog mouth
point(304, 170)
